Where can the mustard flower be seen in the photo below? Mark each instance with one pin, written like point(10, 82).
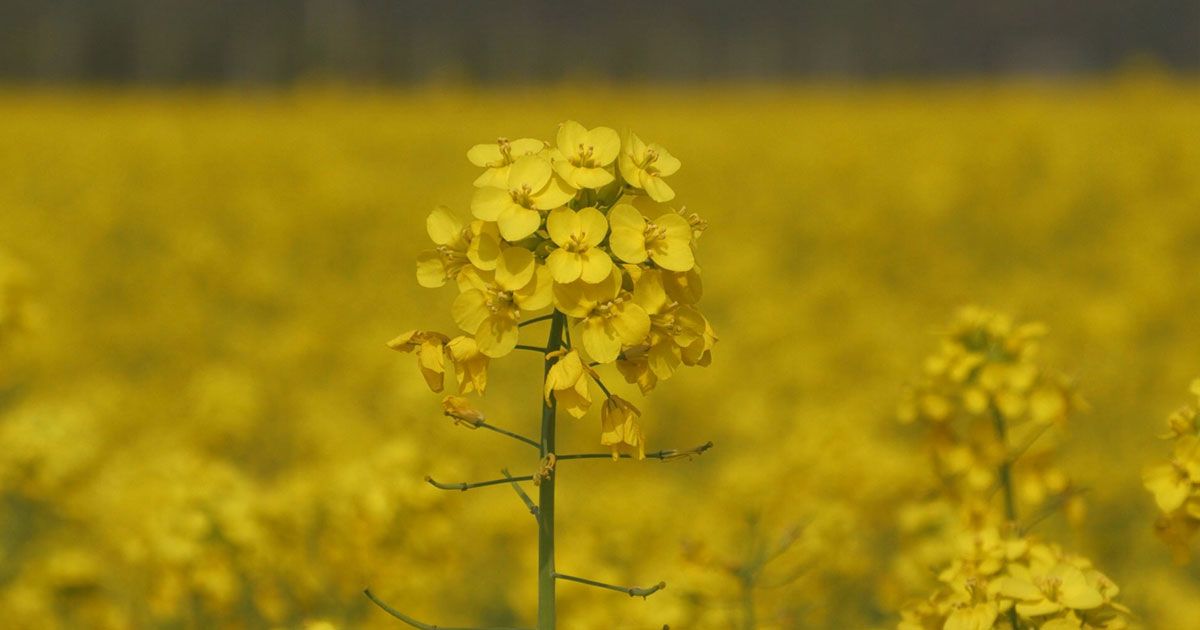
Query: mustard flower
point(449, 258)
point(609, 317)
point(645, 165)
point(667, 240)
point(491, 312)
point(578, 236)
point(567, 382)
point(531, 187)
point(619, 428)
point(498, 159)
point(470, 365)
point(1064, 586)
point(582, 156)
point(430, 349)
point(1172, 483)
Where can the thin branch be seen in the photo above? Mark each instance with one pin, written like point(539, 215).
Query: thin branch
point(1059, 501)
point(540, 318)
point(538, 349)
point(533, 508)
point(596, 377)
point(665, 455)
point(631, 591)
point(417, 624)
point(475, 484)
point(491, 427)
point(1015, 455)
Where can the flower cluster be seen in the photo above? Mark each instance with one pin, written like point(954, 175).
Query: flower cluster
point(983, 373)
point(996, 579)
point(1176, 484)
point(987, 407)
point(581, 226)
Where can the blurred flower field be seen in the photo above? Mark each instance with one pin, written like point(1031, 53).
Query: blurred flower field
point(201, 425)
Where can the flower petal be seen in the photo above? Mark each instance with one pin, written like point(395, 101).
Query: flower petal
point(489, 203)
point(562, 224)
point(530, 171)
point(516, 222)
point(497, 336)
point(515, 268)
point(593, 227)
point(469, 310)
point(443, 227)
point(601, 343)
point(565, 266)
point(595, 265)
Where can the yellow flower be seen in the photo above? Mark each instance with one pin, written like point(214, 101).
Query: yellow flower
point(610, 317)
point(619, 428)
point(531, 187)
point(449, 258)
point(578, 236)
point(498, 159)
point(470, 365)
point(430, 349)
point(981, 616)
point(644, 165)
point(1172, 483)
point(567, 381)
point(667, 240)
point(491, 312)
point(1045, 593)
point(460, 409)
point(582, 156)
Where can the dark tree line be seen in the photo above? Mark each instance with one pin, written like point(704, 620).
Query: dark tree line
point(403, 41)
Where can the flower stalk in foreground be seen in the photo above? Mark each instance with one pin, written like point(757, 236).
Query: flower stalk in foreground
point(580, 229)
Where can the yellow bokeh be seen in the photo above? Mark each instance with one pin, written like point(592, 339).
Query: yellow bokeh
point(201, 424)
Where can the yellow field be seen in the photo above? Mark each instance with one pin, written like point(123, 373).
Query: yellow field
point(200, 425)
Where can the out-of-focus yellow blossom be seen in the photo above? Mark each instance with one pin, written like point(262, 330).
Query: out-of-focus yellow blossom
point(1039, 594)
point(1176, 484)
point(582, 156)
point(430, 348)
point(645, 165)
point(619, 428)
point(498, 158)
point(491, 312)
point(610, 319)
point(567, 382)
point(470, 365)
point(578, 235)
point(667, 240)
point(532, 188)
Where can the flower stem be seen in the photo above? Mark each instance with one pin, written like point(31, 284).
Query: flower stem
point(1006, 485)
point(546, 574)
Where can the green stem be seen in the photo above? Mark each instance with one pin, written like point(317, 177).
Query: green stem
point(546, 575)
point(1006, 485)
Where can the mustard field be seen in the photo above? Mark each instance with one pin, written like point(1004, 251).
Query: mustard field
point(202, 426)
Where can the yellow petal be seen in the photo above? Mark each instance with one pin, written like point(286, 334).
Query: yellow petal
point(570, 136)
point(489, 203)
point(606, 144)
point(589, 177)
point(485, 155)
point(516, 222)
point(493, 178)
point(565, 266)
point(593, 227)
point(562, 224)
point(1169, 487)
point(484, 251)
point(573, 299)
point(657, 189)
point(630, 323)
point(496, 336)
point(596, 266)
point(469, 310)
point(526, 146)
point(601, 343)
point(666, 163)
point(628, 239)
point(530, 171)
point(515, 268)
point(443, 227)
point(538, 294)
point(556, 193)
point(649, 292)
point(431, 269)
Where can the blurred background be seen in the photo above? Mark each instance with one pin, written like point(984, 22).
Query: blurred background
point(404, 42)
point(210, 212)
